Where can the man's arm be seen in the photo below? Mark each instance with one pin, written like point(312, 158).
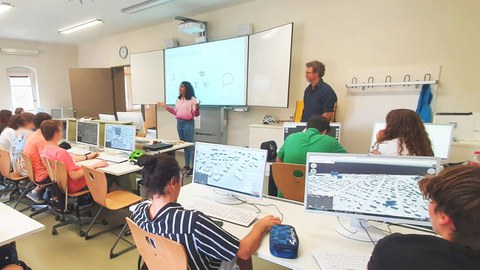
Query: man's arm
point(328, 115)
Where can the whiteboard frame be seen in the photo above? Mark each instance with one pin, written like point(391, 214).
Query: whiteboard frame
point(289, 67)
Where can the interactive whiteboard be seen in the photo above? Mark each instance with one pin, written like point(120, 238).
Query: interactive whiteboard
point(147, 77)
point(216, 70)
point(269, 57)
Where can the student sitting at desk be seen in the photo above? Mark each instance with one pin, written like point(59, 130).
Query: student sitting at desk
point(314, 139)
point(206, 244)
point(52, 131)
point(8, 134)
point(404, 135)
point(5, 116)
point(34, 146)
point(24, 130)
point(455, 215)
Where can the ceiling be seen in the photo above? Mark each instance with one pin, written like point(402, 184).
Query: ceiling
point(40, 20)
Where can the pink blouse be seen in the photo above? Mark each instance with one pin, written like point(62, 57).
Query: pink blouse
point(185, 109)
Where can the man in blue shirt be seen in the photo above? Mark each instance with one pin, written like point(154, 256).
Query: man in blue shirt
point(319, 98)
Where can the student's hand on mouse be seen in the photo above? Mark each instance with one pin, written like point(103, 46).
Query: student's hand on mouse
point(267, 222)
point(101, 164)
point(162, 104)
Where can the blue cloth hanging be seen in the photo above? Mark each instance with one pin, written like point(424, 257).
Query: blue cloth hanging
point(423, 107)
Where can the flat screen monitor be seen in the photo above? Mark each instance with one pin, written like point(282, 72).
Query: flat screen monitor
point(120, 137)
point(295, 127)
point(41, 110)
point(235, 170)
point(440, 136)
point(56, 113)
point(88, 133)
point(380, 188)
point(65, 129)
point(217, 71)
point(107, 117)
point(135, 117)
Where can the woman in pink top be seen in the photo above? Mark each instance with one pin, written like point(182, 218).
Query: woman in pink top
point(186, 108)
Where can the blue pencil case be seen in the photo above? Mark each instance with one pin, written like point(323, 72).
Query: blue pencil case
point(284, 242)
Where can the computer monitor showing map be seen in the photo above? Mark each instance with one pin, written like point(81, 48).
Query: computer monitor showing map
point(135, 117)
point(234, 170)
point(88, 133)
point(56, 113)
point(440, 136)
point(380, 188)
point(120, 137)
point(295, 127)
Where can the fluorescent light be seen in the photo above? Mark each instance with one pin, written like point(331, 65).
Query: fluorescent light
point(4, 7)
point(23, 52)
point(144, 5)
point(80, 26)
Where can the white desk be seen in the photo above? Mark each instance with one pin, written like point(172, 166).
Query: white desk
point(15, 225)
point(124, 168)
point(316, 232)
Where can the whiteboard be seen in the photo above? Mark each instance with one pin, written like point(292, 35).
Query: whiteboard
point(269, 57)
point(147, 77)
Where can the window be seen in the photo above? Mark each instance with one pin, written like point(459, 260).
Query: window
point(22, 89)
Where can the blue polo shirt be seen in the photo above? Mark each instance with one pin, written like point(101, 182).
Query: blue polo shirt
point(318, 100)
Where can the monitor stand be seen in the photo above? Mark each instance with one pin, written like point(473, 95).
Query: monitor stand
point(357, 230)
point(226, 198)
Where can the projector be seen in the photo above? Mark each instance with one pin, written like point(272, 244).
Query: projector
point(191, 27)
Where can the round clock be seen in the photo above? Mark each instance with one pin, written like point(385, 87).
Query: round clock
point(123, 52)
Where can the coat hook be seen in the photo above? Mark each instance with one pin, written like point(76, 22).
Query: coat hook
point(354, 81)
point(388, 79)
point(405, 79)
point(429, 77)
point(368, 81)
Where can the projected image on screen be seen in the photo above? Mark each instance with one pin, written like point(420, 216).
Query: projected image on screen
point(216, 70)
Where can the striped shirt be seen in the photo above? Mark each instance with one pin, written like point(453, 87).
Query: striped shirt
point(206, 244)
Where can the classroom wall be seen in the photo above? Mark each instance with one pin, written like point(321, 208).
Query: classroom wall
point(51, 68)
point(346, 35)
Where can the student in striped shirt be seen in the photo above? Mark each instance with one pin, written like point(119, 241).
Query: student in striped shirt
point(206, 244)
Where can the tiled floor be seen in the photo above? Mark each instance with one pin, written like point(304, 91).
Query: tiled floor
point(67, 250)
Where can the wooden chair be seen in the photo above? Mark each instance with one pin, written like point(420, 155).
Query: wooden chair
point(12, 178)
point(58, 174)
point(158, 252)
point(115, 200)
point(290, 180)
point(41, 208)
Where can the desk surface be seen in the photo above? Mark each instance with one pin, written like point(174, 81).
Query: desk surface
point(124, 168)
point(15, 225)
point(316, 232)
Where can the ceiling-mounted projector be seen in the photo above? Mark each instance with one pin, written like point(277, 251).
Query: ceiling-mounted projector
point(190, 27)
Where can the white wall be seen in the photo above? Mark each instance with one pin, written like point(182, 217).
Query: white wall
point(346, 35)
point(51, 67)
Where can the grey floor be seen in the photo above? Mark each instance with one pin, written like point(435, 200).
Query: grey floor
point(69, 251)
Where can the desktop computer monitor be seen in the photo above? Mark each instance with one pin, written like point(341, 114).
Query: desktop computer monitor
point(440, 136)
point(295, 127)
point(41, 110)
point(120, 137)
point(88, 133)
point(56, 113)
point(363, 187)
point(135, 117)
point(65, 129)
point(234, 170)
point(107, 117)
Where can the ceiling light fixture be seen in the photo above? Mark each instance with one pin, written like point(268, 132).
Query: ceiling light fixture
point(80, 26)
point(5, 6)
point(144, 5)
point(23, 52)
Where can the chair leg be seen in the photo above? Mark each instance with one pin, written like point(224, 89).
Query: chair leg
point(87, 236)
point(120, 237)
point(9, 184)
point(23, 195)
point(40, 208)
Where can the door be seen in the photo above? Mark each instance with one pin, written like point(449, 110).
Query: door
point(119, 81)
point(92, 91)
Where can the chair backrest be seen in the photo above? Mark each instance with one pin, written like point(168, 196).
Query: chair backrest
point(158, 252)
point(97, 184)
point(27, 162)
point(290, 180)
point(5, 163)
point(57, 171)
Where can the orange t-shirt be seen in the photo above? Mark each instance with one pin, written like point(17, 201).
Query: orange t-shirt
point(34, 147)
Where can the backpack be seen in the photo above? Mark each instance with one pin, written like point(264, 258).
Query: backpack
point(271, 147)
point(8, 256)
